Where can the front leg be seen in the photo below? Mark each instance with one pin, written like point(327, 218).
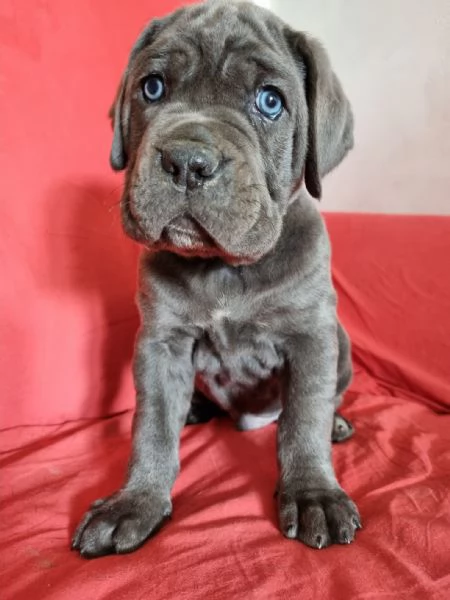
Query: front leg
point(312, 506)
point(164, 379)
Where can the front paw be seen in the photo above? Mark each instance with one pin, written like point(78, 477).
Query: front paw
point(120, 523)
point(318, 517)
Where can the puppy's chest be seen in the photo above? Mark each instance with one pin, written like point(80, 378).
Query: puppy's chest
point(231, 318)
point(237, 350)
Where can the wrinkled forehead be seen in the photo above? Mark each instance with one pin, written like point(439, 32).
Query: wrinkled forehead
point(223, 42)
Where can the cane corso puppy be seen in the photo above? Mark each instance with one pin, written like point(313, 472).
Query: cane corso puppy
point(225, 121)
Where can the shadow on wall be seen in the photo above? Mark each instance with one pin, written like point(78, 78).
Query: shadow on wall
point(94, 265)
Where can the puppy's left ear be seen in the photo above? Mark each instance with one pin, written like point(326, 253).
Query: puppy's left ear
point(330, 118)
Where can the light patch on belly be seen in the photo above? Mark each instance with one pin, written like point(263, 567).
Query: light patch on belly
point(248, 421)
point(220, 313)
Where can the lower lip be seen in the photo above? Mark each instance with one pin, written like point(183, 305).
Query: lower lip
point(183, 238)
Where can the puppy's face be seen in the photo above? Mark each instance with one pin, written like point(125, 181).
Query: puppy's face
point(216, 127)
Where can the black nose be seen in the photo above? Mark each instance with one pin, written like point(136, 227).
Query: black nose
point(190, 164)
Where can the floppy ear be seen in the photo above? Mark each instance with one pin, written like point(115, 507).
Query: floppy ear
point(119, 118)
point(330, 118)
point(119, 112)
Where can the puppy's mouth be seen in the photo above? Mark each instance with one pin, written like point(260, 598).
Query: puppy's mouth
point(184, 235)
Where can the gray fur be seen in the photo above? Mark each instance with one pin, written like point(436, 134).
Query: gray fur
point(236, 298)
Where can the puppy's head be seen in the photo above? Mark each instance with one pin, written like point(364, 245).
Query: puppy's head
point(222, 113)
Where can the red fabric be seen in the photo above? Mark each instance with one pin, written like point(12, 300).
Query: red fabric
point(67, 329)
point(393, 279)
point(223, 541)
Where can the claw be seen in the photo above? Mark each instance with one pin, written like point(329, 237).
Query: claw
point(291, 531)
point(346, 537)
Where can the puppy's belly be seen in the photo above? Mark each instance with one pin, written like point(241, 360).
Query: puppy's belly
point(244, 379)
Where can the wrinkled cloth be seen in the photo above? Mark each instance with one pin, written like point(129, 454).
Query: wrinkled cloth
point(222, 541)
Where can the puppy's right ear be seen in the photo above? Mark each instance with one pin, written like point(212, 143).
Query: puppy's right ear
point(119, 112)
point(119, 115)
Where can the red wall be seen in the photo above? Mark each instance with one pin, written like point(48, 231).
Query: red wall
point(67, 318)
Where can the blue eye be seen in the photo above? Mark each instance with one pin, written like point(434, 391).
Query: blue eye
point(153, 88)
point(269, 102)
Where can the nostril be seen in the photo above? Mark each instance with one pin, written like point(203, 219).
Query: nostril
point(203, 166)
point(168, 164)
point(197, 165)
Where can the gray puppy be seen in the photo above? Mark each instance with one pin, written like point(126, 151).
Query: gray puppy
point(222, 114)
